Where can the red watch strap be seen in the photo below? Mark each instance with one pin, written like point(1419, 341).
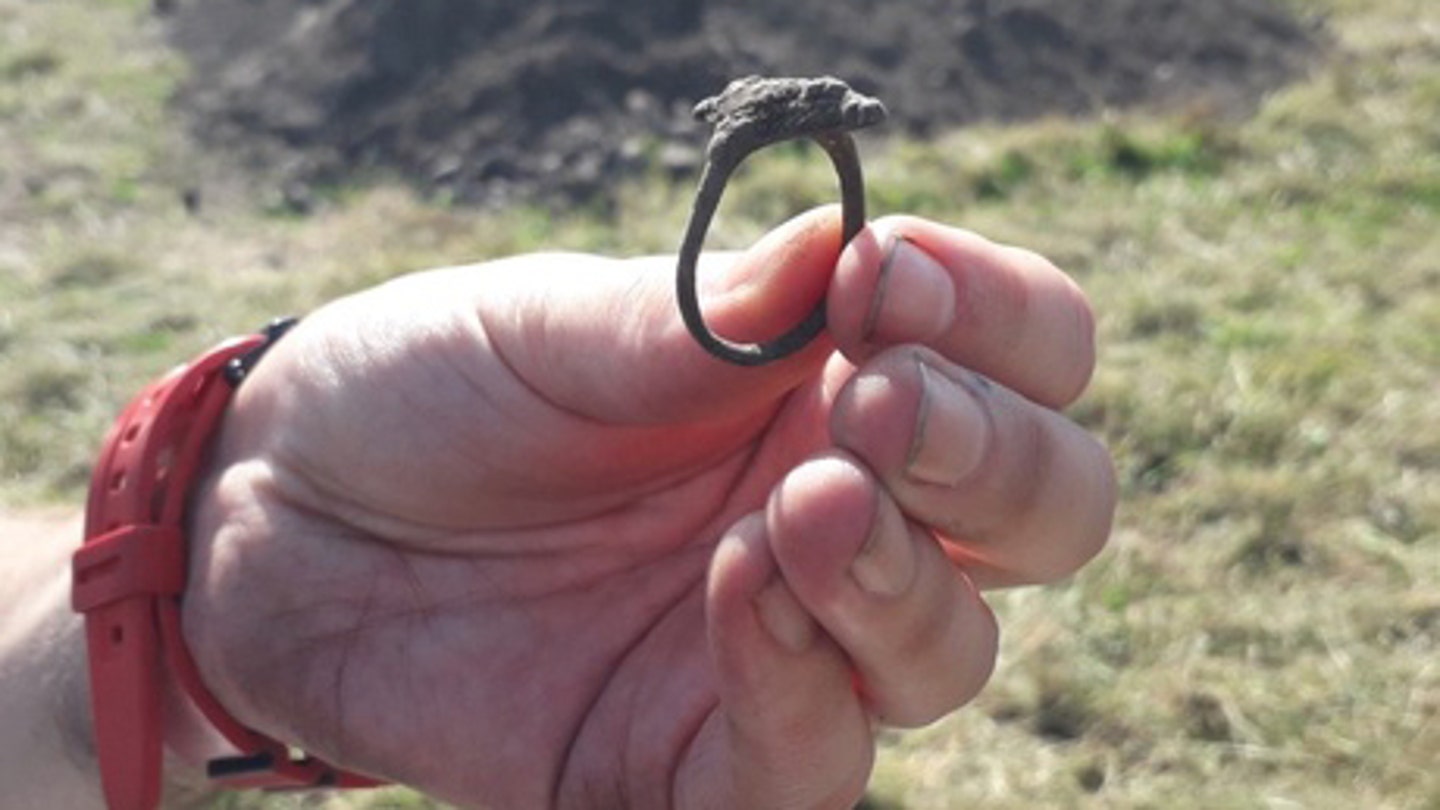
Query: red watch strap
point(129, 574)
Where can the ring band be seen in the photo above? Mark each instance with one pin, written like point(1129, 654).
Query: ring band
point(841, 148)
point(727, 151)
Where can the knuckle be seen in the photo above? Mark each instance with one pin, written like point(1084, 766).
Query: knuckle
point(948, 650)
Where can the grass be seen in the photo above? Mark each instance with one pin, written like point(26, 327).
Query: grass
point(1264, 629)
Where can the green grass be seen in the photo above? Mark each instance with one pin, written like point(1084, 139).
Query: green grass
point(1264, 628)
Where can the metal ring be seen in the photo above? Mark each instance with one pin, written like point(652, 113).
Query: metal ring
point(841, 148)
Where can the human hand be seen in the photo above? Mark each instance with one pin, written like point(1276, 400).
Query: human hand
point(506, 534)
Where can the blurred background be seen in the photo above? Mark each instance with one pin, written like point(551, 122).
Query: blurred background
point(1249, 190)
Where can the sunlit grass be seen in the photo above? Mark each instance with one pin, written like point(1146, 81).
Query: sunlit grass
point(1264, 630)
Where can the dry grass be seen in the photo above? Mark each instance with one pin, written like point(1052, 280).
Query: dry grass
point(1264, 630)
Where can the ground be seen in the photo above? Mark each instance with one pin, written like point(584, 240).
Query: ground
point(492, 100)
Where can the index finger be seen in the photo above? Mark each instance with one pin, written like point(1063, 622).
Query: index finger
point(1005, 312)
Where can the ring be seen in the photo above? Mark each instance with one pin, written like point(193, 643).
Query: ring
point(749, 115)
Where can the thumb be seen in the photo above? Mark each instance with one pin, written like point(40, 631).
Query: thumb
point(605, 338)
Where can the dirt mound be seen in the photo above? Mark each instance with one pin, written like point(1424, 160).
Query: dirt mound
point(488, 100)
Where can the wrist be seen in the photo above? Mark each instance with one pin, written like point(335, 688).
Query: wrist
point(47, 754)
point(223, 606)
point(129, 576)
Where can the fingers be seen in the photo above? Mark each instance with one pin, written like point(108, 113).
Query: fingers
point(1022, 494)
point(911, 623)
point(1019, 493)
point(1004, 312)
point(605, 338)
point(791, 732)
point(828, 611)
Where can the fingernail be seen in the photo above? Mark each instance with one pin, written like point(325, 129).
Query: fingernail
point(784, 617)
point(914, 298)
point(885, 566)
point(951, 431)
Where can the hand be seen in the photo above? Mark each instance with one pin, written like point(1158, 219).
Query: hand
point(506, 534)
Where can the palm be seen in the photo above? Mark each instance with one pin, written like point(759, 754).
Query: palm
point(587, 574)
point(604, 615)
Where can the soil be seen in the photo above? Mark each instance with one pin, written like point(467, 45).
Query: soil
point(493, 100)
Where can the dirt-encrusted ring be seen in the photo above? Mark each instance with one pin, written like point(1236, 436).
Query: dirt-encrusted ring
point(750, 114)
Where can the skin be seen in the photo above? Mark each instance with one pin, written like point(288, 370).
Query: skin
point(506, 534)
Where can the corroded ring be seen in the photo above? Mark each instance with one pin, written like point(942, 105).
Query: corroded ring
point(824, 110)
